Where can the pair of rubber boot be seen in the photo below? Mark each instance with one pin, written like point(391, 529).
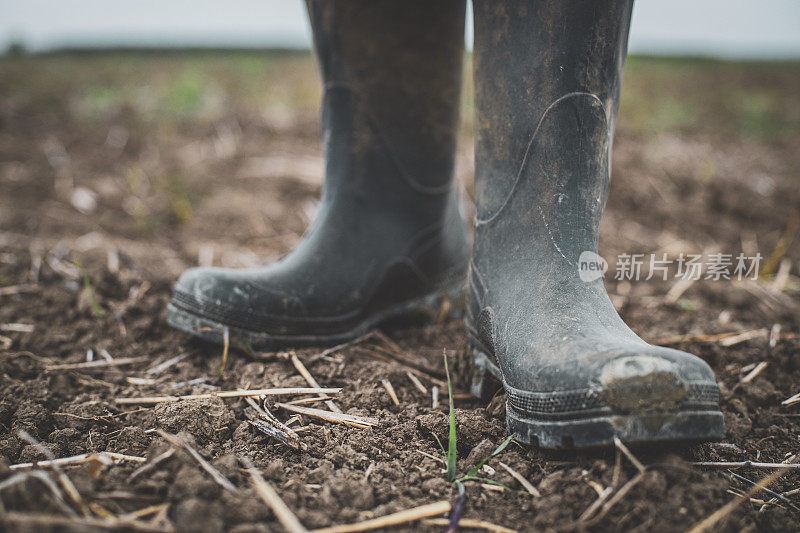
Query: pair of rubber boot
point(389, 239)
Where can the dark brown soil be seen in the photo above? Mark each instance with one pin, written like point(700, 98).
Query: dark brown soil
point(214, 157)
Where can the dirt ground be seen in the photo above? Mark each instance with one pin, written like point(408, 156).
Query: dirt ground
point(118, 171)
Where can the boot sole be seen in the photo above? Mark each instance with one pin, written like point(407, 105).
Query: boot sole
point(438, 306)
point(690, 425)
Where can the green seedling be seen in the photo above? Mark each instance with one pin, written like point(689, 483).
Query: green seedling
point(451, 439)
point(245, 346)
point(450, 453)
point(229, 339)
point(226, 344)
point(87, 285)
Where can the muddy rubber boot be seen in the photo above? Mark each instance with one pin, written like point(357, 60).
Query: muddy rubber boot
point(547, 79)
point(389, 239)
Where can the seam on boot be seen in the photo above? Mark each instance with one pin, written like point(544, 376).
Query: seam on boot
point(487, 220)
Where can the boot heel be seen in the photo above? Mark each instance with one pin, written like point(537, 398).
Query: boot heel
point(485, 376)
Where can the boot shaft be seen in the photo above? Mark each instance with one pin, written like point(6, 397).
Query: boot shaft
point(392, 80)
point(537, 62)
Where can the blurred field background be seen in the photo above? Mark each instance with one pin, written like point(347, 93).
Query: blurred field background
point(168, 140)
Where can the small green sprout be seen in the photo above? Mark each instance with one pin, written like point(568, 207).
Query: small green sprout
point(451, 445)
point(87, 285)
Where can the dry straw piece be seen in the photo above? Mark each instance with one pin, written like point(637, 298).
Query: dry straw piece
point(340, 418)
point(78, 459)
point(205, 465)
point(417, 383)
point(390, 390)
point(470, 523)
point(47, 522)
point(722, 513)
point(527, 485)
point(101, 363)
point(394, 519)
point(298, 364)
point(270, 496)
point(748, 464)
point(229, 394)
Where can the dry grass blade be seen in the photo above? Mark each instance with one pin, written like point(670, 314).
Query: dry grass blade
point(527, 485)
point(390, 390)
point(774, 335)
point(720, 337)
point(332, 350)
point(303, 401)
point(160, 367)
point(463, 396)
point(228, 394)
point(417, 383)
point(102, 363)
point(17, 289)
point(720, 514)
point(5, 342)
point(17, 327)
point(429, 456)
point(226, 345)
point(63, 479)
point(791, 400)
point(774, 494)
point(755, 372)
point(677, 290)
point(774, 301)
point(147, 511)
point(617, 473)
point(398, 356)
point(781, 278)
point(157, 460)
point(748, 464)
point(340, 418)
point(50, 522)
point(621, 493)
point(298, 364)
point(270, 430)
point(601, 498)
point(632, 458)
point(382, 354)
point(285, 434)
point(743, 337)
point(470, 523)
point(44, 478)
point(205, 465)
point(270, 496)
point(78, 459)
point(292, 419)
point(782, 246)
point(394, 519)
point(605, 493)
point(133, 380)
point(598, 488)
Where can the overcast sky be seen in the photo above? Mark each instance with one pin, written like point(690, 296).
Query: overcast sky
point(768, 29)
